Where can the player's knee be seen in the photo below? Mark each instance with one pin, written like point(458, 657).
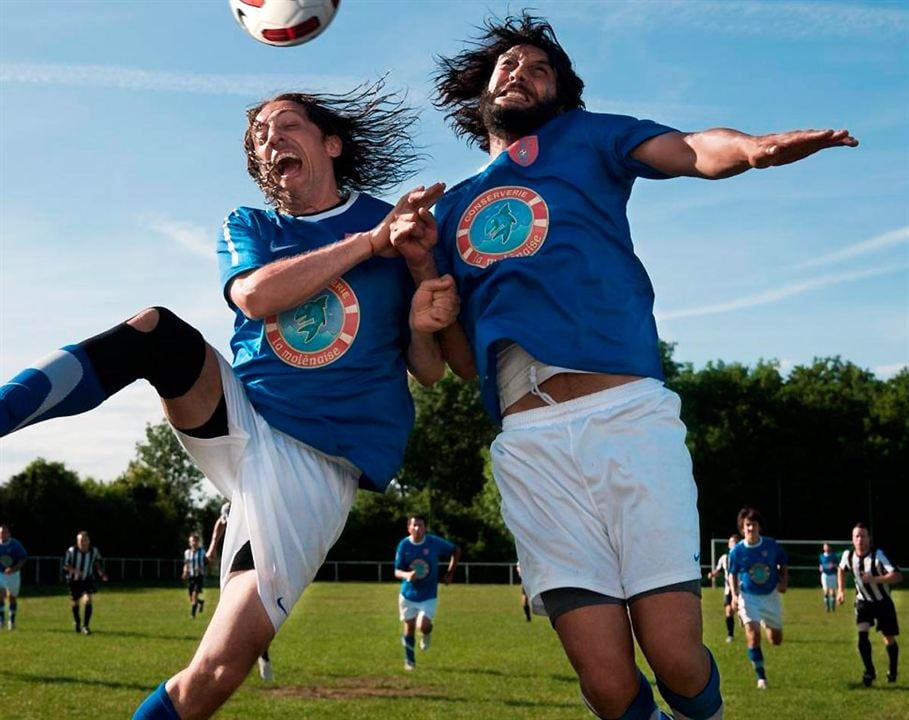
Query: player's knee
point(684, 670)
point(608, 692)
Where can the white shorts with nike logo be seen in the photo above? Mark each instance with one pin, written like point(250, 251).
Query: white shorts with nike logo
point(288, 500)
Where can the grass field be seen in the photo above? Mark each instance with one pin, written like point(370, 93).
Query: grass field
point(339, 657)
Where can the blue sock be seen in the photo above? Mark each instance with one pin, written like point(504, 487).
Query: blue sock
point(156, 706)
point(62, 383)
point(642, 707)
point(703, 706)
point(408, 641)
point(757, 659)
point(13, 606)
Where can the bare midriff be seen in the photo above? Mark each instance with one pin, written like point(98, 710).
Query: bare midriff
point(568, 386)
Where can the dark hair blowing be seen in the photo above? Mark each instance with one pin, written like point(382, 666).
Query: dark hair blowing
point(377, 152)
point(461, 80)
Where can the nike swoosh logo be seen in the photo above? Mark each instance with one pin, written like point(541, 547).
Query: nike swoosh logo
point(278, 248)
point(697, 557)
point(67, 375)
point(280, 604)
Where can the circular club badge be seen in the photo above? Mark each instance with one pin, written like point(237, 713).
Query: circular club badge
point(317, 332)
point(504, 222)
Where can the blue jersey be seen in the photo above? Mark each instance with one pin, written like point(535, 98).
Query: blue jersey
point(757, 566)
point(423, 559)
point(828, 562)
point(331, 372)
point(540, 247)
point(11, 552)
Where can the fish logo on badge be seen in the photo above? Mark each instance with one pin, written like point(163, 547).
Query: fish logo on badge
point(319, 331)
point(504, 222)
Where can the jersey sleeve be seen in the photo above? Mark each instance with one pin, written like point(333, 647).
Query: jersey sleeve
point(844, 561)
point(885, 562)
point(399, 558)
point(445, 548)
point(241, 247)
point(732, 562)
point(618, 135)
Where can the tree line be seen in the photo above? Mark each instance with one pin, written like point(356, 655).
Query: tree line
point(816, 451)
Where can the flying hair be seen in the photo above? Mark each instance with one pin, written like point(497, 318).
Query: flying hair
point(377, 152)
point(461, 80)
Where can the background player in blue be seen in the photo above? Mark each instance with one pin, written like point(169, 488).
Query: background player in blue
point(827, 565)
point(417, 566)
point(326, 323)
point(558, 310)
point(759, 571)
point(12, 558)
point(873, 574)
point(194, 561)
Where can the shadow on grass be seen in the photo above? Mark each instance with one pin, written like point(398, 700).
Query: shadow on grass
point(503, 673)
point(878, 686)
point(65, 680)
point(126, 634)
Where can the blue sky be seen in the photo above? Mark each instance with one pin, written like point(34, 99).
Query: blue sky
point(120, 154)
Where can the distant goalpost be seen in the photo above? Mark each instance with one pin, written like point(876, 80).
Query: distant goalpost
point(803, 554)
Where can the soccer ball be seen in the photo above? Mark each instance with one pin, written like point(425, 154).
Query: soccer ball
point(284, 22)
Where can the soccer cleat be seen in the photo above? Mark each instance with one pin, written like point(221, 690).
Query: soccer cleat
point(78, 627)
point(201, 605)
point(408, 665)
point(891, 676)
point(425, 642)
point(729, 638)
point(86, 630)
point(762, 684)
point(12, 624)
point(265, 670)
point(868, 678)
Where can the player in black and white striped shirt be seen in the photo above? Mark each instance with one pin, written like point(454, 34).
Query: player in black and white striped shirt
point(81, 563)
point(874, 574)
point(194, 562)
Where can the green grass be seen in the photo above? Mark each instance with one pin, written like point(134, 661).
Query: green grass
point(339, 657)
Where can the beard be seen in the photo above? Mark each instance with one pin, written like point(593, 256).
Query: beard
point(515, 122)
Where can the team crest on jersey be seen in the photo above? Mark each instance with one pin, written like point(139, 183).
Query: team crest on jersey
point(504, 222)
point(420, 568)
point(524, 151)
point(317, 332)
point(759, 573)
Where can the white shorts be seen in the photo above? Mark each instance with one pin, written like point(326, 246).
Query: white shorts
point(10, 583)
point(599, 494)
point(289, 501)
point(410, 609)
point(765, 609)
point(828, 582)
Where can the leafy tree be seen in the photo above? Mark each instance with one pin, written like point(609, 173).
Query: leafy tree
point(46, 506)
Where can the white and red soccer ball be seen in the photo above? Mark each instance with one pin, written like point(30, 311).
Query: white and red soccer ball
point(284, 22)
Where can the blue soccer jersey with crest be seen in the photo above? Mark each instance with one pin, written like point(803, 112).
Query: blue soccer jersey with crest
point(757, 566)
point(331, 372)
point(423, 558)
point(541, 250)
point(11, 552)
point(828, 563)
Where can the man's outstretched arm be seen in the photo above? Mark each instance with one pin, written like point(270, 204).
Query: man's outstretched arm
point(721, 152)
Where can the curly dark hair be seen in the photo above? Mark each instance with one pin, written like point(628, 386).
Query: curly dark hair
point(377, 151)
point(461, 80)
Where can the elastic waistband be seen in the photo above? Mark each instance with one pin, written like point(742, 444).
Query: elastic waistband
point(602, 400)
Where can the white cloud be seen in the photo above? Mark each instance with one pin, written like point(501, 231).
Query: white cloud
point(126, 78)
point(780, 293)
point(885, 372)
point(899, 236)
point(752, 18)
point(194, 238)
